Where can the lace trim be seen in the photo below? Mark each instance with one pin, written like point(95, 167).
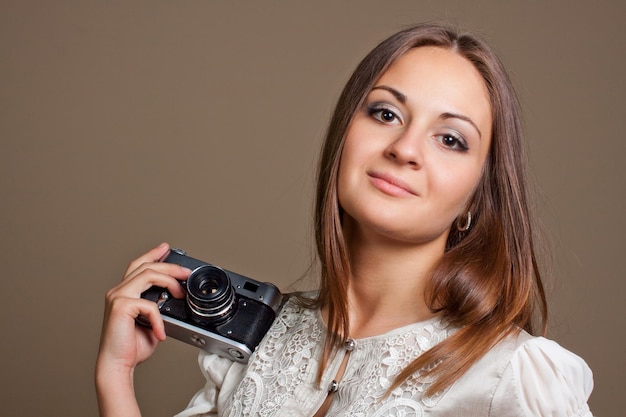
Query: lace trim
point(280, 377)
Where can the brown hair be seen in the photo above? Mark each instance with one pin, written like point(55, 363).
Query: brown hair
point(487, 284)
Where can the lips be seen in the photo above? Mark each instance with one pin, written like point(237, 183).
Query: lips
point(391, 185)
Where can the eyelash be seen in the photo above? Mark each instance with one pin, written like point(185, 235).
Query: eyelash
point(377, 110)
point(458, 143)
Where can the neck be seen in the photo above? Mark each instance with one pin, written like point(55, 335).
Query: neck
point(387, 283)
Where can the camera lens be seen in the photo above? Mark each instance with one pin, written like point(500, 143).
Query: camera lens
point(209, 294)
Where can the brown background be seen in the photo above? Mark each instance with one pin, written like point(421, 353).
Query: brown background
point(127, 123)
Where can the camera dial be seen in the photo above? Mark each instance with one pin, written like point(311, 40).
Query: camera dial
point(210, 295)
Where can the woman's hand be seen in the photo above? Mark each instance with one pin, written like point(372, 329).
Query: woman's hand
point(123, 343)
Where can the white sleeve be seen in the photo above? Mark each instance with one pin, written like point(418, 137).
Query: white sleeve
point(546, 380)
point(222, 376)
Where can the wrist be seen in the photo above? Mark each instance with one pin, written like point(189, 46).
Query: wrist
point(116, 391)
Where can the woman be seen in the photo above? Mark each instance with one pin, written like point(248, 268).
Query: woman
point(429, 281)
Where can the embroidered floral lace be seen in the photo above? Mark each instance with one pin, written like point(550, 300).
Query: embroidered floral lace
point(522, 376)
point(280, 381)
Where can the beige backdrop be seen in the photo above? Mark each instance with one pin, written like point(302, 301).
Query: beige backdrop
point(127, 123)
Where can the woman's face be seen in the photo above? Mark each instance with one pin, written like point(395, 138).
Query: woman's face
point(414, 153)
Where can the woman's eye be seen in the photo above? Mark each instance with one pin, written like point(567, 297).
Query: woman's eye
point(383, 115)
point(452, 142)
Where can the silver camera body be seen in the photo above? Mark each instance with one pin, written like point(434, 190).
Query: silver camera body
point(223, 312)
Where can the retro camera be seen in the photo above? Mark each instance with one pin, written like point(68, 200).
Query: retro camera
point(223, 312)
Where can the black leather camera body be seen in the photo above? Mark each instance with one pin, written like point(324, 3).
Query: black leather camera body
point(223, 312)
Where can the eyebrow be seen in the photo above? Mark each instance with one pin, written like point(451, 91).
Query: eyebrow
point(398, 95)
point(447, 115)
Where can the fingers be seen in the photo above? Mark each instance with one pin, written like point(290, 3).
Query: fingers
point(147, 270)
point(124, 303)
point(157, 274)
point(123, 342)
point(153, 255)
point(128, 309)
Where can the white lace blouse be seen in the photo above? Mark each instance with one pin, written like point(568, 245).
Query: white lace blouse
point(521, 376)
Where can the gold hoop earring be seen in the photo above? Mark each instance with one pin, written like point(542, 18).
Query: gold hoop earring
point(468, 223)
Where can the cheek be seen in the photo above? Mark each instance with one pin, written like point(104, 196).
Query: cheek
point(352, 159)
point(458, 183)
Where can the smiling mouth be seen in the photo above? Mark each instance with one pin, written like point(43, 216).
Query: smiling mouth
point(391, 185)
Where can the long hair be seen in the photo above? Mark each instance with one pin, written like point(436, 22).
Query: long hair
point(487, 283)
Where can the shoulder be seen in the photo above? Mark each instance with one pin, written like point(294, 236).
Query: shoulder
point(541, 378)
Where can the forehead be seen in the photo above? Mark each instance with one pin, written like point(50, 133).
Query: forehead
point(442, 79)
point(437, 64)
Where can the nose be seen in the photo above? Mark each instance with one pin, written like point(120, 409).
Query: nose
point(406, 149)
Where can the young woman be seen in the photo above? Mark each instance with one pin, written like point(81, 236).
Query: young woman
point(429, 281)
